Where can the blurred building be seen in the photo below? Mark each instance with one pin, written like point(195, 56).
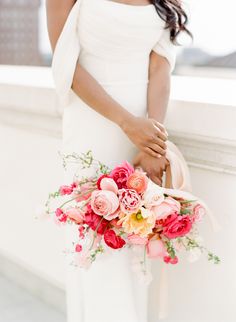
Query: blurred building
point(19, 32)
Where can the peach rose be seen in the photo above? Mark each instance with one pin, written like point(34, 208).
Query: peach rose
point(167, 207)
point(75, 214)
point(137, 181)
point(105, 203)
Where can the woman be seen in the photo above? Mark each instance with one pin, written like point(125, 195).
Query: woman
point(112, 64)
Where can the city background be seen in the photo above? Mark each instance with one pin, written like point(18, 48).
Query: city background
point(24, 40)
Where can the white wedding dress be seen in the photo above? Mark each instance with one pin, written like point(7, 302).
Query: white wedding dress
point(112, 42)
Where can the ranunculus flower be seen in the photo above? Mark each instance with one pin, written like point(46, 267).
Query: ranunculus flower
point(167, 207)
point(176, 226)
point(136, 223)
point(75, 214)
point(137, 240)
point(130, 201)
point(60, 215)
point(198, 213)
point(137, 181)
point(121, 173)
point(95, 222)
point(105, 203)
point(65, 190)
point(170, 260)
point(108, 184)
point(156, 248)
point(112, 240)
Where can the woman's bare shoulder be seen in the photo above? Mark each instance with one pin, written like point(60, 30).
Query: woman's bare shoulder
point(57, 13)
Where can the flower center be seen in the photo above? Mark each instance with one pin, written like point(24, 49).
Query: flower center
point(139, 216)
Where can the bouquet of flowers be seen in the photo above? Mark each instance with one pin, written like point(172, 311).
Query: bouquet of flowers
point(121, 207)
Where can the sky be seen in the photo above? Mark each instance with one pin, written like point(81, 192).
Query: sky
point(212, 23)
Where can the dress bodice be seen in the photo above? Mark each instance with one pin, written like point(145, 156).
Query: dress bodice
point(116, 40)
point(112, 41)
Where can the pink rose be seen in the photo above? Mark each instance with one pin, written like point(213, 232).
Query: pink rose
point(105, 203)
point(176, 226)
point(130, 201)
point(60, 215)
point(137, 240)
point(108, 184)
point(137, 181)
point(167, 207)
point(75, 214)
point(156, 248)
point(121, 173)
point(198, 213)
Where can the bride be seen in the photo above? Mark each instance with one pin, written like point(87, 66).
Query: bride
point(112, 63)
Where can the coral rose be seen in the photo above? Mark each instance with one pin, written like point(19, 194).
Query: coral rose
point(104, 203)
point(167, 207)
point(176, 226)
point(137, 181)
point(112, 240)
point(121, 174)
point(130, 201)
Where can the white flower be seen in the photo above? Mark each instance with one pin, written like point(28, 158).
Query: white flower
point(146, 212)
point(154, 195)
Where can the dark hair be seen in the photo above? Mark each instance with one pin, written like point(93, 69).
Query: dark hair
point(174, 15)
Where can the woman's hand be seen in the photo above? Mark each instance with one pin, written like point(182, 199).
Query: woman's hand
point(147, 134)
point(152, 166)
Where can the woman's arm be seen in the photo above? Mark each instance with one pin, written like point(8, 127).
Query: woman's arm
point(147, 134)
point(157, 102)
point(159, 87)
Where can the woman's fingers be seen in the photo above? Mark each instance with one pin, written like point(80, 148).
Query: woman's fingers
point(161, 127)
point(151, 152)
point(157, 148)
point(156, 180)
point(160, 143)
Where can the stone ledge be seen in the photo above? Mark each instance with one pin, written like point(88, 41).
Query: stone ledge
point(206, 152)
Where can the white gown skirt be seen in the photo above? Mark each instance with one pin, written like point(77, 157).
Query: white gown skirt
point(109, 290)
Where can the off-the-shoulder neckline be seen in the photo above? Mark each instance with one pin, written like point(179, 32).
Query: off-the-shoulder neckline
point(128, 5)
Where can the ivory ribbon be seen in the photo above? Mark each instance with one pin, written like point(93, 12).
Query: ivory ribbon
point(177, 176)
